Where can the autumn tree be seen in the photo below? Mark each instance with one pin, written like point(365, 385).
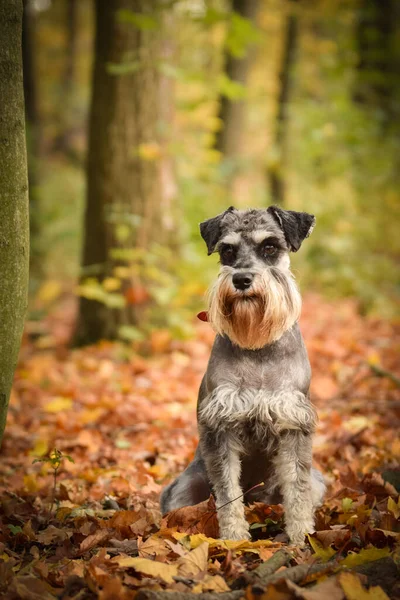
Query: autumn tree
point(276, 169)
point(14, 227)
point(238, 61)
point(124, 210)
point(377, 82)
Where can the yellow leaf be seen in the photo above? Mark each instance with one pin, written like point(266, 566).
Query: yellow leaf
point(30, 483)
point(374, 359)
point(148, 567)
point(40, 448)
point(211, 583)
point(149, 151)
point(49, 291)
point(195, 562)
point(90, 415)
point(237, 545)
point(393, 507)
point(353, 589)
point(364, 556)
point(58, 404)
point(111, 284)
point(323, 553)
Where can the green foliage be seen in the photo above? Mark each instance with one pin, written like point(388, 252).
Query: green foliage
point(138, 20)
point(342, 163)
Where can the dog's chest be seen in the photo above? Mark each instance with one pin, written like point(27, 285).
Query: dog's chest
point(258, 410)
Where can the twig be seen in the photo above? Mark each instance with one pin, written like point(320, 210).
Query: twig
point(268, 568)
point(384, 373)
point(299, 573)
point(264, 571)
point(241, 495)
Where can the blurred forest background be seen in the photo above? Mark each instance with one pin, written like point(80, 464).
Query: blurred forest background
point(145, 117)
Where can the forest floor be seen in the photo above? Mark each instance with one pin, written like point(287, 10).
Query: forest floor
point(85, 523)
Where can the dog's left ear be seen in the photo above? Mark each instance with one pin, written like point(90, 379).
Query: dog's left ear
point(211, 230)
point(296, 226)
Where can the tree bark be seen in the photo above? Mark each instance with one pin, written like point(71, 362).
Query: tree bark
point(62, 142)
point(232, 112)
point(378, 57)
point(32, 115)
point(276, 170)
point(14, 218)
point(123, 167)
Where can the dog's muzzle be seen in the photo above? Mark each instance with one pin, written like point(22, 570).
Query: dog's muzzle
point(242, 281)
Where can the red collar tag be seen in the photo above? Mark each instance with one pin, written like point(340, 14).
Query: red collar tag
point(203, 315)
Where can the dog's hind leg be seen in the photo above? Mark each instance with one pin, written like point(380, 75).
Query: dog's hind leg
point(191, 487)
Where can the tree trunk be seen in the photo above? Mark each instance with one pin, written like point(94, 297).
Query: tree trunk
point(62, 142)
point(123, 169)
point(32, 116)
point(232, 112)
point(378, 57)
point(14, 226)
point(276, 170)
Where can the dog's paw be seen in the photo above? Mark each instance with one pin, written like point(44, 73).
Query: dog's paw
point(297, 532)
point(239, 531)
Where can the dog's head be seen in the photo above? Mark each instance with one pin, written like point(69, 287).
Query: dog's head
point(255, 298)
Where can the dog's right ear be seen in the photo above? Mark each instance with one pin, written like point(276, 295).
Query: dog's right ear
point(211, 230)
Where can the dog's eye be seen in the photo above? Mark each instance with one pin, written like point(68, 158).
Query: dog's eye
point(227, 253)
point(269, 250)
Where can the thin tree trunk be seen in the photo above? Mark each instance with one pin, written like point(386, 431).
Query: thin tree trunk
point(276, 171)
point(62, 142)
point(14, 225)
point(123, 170)
point(232, 112)
point(33, 141)
point(378, 57)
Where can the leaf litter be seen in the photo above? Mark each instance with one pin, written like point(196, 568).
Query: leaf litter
point(112, 427)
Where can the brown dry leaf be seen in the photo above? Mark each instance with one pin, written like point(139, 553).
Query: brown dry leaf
point(52, 534)
point(211, 583)
point(200, 518)
point(27, 587)
point(153, 546)
point(194, 562)
point(338, 537)
point(148, 567)
point(354, 590)
point(327, 590)
point(96, 539)
point(113, 589)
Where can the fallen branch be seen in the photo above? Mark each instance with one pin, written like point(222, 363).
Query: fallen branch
point(300, 573)
point(280, 559)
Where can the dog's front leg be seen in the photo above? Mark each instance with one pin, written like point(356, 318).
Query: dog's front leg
point(221, 455)
point(293, 472)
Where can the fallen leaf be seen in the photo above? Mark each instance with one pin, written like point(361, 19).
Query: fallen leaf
point(354, 590)
point(211, 583)
point(194, 562)
point(58, 404)
point(148, 567)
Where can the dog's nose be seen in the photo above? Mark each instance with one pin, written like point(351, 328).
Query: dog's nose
point(242, 281)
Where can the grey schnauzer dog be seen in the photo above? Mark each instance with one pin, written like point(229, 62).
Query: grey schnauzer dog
point(254, 413)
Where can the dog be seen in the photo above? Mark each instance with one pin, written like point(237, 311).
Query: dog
point(255, 418)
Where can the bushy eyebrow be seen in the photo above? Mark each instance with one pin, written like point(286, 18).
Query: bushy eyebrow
point(260, 235)
point(232, 239)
